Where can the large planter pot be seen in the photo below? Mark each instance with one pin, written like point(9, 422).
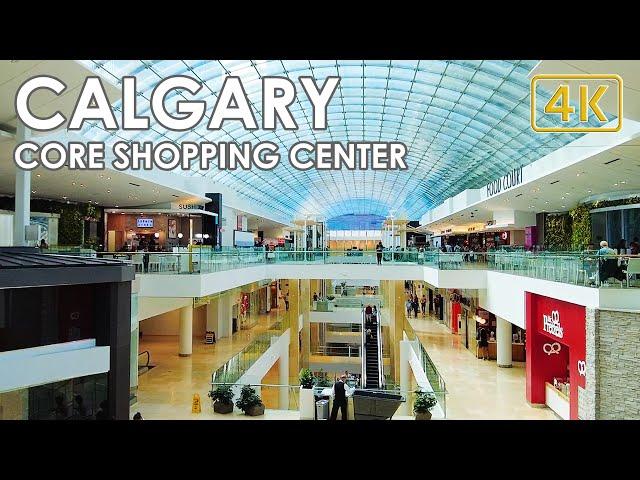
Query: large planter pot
point(307, 404)
point(255, 411)
point(423, 416)
point(220, 407)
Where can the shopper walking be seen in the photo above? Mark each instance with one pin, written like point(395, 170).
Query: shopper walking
point(423, 305)
point(415, 305)
point(379, 248)
point(409, 307)
point(483, 343)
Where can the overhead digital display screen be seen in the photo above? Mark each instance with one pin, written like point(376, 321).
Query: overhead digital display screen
point(144, 223)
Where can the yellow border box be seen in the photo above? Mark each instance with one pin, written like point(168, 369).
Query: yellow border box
point(586, 76)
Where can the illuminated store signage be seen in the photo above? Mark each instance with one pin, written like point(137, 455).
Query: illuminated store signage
point(508, 181)
point(182, 206)
point(551, 348)
point(551, 324)
point(582, 368)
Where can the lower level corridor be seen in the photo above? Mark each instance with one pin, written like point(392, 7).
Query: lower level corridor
point(477, 389)
point(166, 391)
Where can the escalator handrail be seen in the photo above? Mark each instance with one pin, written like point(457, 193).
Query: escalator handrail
point(363, 351)
point(148, 358)
point(379, 347)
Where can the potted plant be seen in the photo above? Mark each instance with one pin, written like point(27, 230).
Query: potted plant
point(306, 394)
point(249, 402)
point(222, 398)
point(423, 404)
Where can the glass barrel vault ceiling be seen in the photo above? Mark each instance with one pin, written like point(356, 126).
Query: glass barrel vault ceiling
point(463, 122)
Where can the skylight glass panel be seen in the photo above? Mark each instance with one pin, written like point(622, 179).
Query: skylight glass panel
point(463, 122)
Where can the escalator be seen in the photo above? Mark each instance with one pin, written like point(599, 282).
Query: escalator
point(371, 401)
point(372, 368)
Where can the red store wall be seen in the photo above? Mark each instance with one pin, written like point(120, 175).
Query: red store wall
point(570, 335)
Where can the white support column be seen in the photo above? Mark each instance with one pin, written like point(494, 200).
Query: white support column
point(304, 237)
point(212, 317)
point(22, 214)
point(186, 331)
point(405, 375)
point(283, 376)
point(314, 236)
point(393, 234)
point(503, 343)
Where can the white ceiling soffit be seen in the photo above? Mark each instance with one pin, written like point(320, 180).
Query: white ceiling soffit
point(613, 170)
point(629, 70)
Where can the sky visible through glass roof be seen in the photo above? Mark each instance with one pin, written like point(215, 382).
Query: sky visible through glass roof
point(464, 123)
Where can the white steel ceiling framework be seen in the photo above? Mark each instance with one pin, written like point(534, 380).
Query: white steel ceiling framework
point(463, 122)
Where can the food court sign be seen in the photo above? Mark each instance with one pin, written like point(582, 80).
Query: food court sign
point(504, 183)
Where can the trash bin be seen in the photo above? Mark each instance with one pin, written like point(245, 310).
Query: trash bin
point(322, 410)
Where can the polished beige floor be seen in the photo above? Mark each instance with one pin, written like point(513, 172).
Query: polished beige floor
point(166, 391)
point(477, 389)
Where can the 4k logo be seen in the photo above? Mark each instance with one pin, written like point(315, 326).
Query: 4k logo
point(592, 92)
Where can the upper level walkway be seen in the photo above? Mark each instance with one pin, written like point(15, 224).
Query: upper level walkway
point(501, 277)
point(574, 277)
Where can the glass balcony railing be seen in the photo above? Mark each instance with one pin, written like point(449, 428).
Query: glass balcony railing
point(435, 379)
point(237, 365)
point(585, 269)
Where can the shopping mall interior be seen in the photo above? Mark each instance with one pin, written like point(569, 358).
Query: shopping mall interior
point(497, 277)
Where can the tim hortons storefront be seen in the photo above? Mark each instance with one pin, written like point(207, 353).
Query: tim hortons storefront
point(556, 351)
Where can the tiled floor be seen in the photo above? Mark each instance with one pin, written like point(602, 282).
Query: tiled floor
point(478, 389)
point(166, 391)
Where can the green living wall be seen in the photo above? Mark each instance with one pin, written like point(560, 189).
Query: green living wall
point(557, 232)
point(71, 222)
point(580, 227)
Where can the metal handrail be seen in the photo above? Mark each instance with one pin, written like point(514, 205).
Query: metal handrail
point(148, 358)
point(379, 347)
point(351, 351)
point(363, 357)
